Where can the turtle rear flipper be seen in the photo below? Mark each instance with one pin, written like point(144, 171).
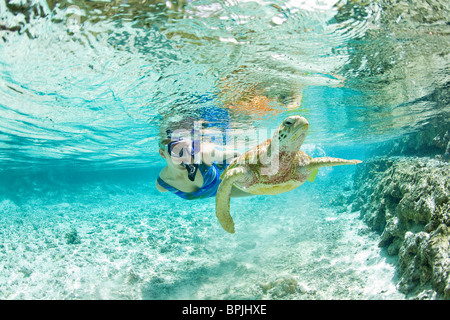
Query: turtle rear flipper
point(223, 198)
point(313, 175)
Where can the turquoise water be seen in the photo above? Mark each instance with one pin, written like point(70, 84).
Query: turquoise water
point(86, 87)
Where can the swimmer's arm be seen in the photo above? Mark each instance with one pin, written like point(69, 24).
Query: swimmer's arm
point(210, 153)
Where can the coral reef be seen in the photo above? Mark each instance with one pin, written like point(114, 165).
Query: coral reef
point(407, 200)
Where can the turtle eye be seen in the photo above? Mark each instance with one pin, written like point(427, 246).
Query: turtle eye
point(288, 123)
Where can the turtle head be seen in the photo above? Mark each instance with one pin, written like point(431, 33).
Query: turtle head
point(291, 133)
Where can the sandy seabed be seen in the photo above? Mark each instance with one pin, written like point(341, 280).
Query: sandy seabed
point(127, 241)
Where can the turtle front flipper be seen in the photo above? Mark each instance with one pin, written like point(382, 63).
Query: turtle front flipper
point(317, 163)
point(223, 197)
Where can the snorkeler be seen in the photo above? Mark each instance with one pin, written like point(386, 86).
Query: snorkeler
point(193, 167)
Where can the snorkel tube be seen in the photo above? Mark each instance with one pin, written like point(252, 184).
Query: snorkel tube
point(191, 169)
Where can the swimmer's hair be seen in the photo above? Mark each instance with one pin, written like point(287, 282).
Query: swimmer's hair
point(162, 142)
point(168, 128)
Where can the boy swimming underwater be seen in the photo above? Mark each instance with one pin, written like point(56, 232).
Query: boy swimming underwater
point(193, 167)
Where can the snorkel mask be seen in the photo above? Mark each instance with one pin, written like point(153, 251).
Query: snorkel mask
point(180, 148)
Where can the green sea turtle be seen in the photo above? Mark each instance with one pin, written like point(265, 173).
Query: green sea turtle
point(273, 167)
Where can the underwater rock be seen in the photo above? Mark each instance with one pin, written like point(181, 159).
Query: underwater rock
point(26, 271)
point(247, 245)
point(72, 237)
point(281, 287)
point(407, 201)
point(424, 261)
point(132, 278)
point(165, 248)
